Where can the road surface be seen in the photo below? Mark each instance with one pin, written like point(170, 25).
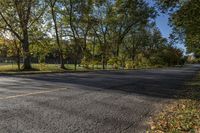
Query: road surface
point(92, 102)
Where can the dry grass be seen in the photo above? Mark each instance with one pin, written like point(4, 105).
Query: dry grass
point(182, 116)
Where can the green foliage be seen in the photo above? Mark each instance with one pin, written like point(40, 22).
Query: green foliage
point(129, 64)
point(120, 33)
point(156, 59)
point(8, 67)
point(115, 62)
point(185, 21)
point(17, 18)
point(141, 60)
point(85, 62)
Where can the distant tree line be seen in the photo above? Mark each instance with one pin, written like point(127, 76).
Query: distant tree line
point(121, 33)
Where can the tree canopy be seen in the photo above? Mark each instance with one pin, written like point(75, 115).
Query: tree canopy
point(120, 33)
point(185, 20)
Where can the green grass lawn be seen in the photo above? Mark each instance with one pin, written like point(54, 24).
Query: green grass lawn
point(12, 68)
point(40, 67)
point(8, 67)
point(183, 115)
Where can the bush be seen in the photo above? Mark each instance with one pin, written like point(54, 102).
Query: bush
point(142, 61)
point(157, 60)
point(85, 62)
point(115, 62)
point(129, 64)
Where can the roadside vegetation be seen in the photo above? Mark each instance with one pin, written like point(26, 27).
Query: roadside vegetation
point(8, 68)
point(38, 67)
point(183, 115)
point(12, 67)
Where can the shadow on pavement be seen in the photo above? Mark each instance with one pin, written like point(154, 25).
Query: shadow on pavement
point(161, 83)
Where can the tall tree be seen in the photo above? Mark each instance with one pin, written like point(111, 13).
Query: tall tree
point(53, 4)
point(101, 28)
point(128, 15)
point(18, 16)
point(77, 22)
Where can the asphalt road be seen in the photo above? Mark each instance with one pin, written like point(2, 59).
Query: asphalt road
point(93, 102)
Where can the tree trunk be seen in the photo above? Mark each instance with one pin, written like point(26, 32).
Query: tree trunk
point(93, 48)
point(26, 58)
point(133, 52)
point(103, 61)
point(75, 64)
point(117, 52)
point(119, 42)
point(62, 65)
point(18, 58)
point(26, 55)
point(17, 48)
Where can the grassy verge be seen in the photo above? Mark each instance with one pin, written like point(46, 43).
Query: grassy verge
point(39, 67)
point(182, 116)
point(7, 68)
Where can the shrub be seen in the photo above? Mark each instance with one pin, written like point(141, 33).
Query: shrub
point(142, 61)
point(115, 62)
point(85, 62)
point(129, 64)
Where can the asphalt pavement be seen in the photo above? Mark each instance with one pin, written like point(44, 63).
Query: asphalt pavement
point(91, 102)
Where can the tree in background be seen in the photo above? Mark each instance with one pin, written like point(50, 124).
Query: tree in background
point(11, 49)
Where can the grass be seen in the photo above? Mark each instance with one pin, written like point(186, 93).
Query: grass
point(55, 67)
point(5, 68)
point(9, 68)
point(183, 115)
point(12, 68)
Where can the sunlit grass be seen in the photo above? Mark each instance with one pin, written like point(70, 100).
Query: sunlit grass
point(8, 67)
point(40, 67)
point(12, 67)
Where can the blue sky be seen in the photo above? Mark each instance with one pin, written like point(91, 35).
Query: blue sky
point(162, 22)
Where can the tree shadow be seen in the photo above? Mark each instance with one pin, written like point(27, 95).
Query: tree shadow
point(192, 90)
point(161, 83)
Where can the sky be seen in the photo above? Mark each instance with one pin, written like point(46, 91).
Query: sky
point(162, 22)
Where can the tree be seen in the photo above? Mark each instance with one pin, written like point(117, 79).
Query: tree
point(129, 15)
point(101, 28)
point(77, 22)
point(185, 22)
point(53, 4)
point(18, 16)
point(11, 49)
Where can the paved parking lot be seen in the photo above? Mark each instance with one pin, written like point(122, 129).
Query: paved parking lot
point(96, 102)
